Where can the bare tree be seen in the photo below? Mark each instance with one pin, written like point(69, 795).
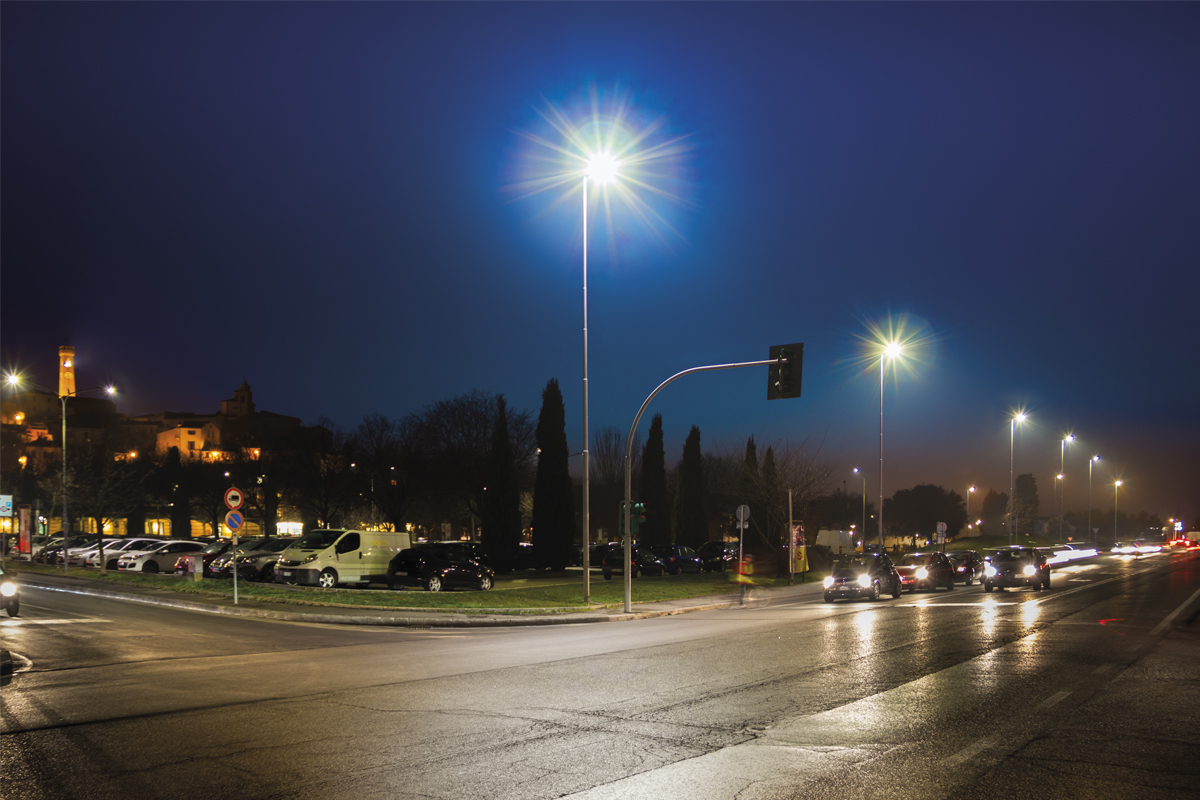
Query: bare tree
point(387, 452)
point(607, 457)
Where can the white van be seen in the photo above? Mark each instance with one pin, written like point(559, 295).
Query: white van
point(328, 557)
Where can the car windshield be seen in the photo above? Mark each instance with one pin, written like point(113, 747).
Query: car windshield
point(277, 545)
point(857, 564)
point(149, 544)
point(215, 547)
point(916, 560)
point(1007, 555)
point(318, 540)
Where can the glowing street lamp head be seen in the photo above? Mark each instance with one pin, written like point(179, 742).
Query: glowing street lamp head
point(1095, 458)
point(11, 379)
point(1070, 437)
point(971, 489)
point(893, 349)
point(602, 167)
point(110, 390)
point(1020, 416)
point(857, 470)
point(1118, 483)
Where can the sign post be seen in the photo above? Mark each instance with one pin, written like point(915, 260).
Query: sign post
point(234, 521)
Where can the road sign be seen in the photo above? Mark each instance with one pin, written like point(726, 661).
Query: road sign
point(743, 513)
point(234, 520)
point(234, 498)
point(941, 527)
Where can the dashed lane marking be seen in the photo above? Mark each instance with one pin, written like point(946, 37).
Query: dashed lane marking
point(1054, 700)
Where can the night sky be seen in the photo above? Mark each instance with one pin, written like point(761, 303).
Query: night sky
point(331, 201)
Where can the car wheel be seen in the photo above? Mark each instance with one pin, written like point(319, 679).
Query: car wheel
point(485, 583)
point(14, 607)
point(111, 564)
point(434, 584)
point(874, 592)
point(950, 583)
point(1046, 583)
point(633, 573)
point(896, 590)
point(267, 574)
point(967, 582)
point(328, 579)
point(987, 586)
point(828, 597)
point(608, 575)
point(150, 566)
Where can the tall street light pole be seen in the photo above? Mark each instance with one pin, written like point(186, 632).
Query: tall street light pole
point(1012, 481)
point(1062, 485)
point(1091, 534)
point(14, 380)
point(970, 491)
point(891, 350)
point(601, 167)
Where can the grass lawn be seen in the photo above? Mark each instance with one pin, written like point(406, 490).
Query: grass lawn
point(512, 594)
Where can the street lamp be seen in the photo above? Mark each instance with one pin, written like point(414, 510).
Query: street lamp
point(863, 475)
point(13, 380)
point(1116, 485)
point(891, 350)
point(970, 491)
point(1062, 487)
point(1091, 533)
point(1020, 416)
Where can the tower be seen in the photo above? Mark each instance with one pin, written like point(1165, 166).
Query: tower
point(66, 371)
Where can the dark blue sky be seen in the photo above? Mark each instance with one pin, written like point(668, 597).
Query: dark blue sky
point(317, 197)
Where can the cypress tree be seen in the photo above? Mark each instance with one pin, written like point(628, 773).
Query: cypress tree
point(691, 521)
point(501, 519)
point(652, 493)
point(553, 495)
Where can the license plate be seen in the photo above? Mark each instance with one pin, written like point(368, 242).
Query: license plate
point(287, 574)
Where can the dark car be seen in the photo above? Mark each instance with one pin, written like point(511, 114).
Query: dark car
point(52, 554)
point(255, 559)
point(968, 565)
point(925, 572)
point(210, 551)
point(677, 558)
point(1016, 566)
point(437, 568)
point(862, 575)
point(642, 562)
point(717, 556)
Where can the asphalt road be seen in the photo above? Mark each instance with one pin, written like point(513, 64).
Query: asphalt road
point(1089, 690)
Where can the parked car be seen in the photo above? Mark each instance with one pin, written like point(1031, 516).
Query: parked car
point(968, 565)
point(157, 559)
point(256, 564)
point(642, 562)
point(925, 572)
point(52, 553)
point(471, 551)
point(10, 596)
point(77, 556)
point(210, 551)
point(1016, 566)
point(329, 557)
point(717, 556)
point(437, 568)
point(862, 575)
point(677, 558)
point(130, 546)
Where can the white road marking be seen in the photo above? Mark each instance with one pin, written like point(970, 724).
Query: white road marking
point(970, 751)
point(1100, 670)
point(18, 623)
point(1162, 626)
point(1054, 700)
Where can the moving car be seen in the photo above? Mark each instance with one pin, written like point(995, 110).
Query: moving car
point(1016, 566)
point(438, 568)
point(925, 572)
point(642, 562)
point(717, 556)
point(157, 559)
point(10, 597)
point(862, 575)
point(677, 558)
point(968, 565)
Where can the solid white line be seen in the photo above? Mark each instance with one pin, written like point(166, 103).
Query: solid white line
point(1100, 670)
point(20, 623)
point(1171, 617)
point(1054, 700)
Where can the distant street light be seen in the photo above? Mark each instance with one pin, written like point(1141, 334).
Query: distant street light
point(863, 475)
point(1012, 481)
point(1091, 533)
point(970, 491)
point(1116, 485)
point(1062, 486)
point(14, 380)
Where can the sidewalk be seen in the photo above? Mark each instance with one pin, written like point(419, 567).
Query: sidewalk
point(412, 617)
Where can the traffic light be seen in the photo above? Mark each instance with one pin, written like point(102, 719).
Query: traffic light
point(637, 518)
point(783, 376)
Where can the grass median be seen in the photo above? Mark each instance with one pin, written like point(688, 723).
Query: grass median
point(513, 594)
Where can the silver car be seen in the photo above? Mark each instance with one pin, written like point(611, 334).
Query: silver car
point(158, 559)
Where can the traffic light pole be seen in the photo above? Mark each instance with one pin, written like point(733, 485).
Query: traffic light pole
point(629, 456)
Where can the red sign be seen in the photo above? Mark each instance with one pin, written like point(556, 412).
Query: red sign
point(234, 498)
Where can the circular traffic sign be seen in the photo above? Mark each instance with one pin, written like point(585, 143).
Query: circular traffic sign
point(234, 498)
point(234, 520)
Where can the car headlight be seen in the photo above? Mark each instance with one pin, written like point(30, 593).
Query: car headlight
point(922, 573)
point(828, 582)
point(8, 589)
point(864, 580)
point(1029, 569)
point(313, 557)
point(989, 570)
